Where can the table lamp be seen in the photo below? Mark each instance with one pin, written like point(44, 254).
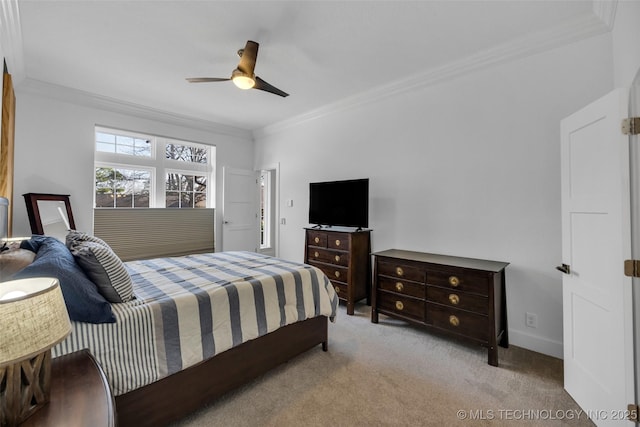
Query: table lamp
point(33, 318)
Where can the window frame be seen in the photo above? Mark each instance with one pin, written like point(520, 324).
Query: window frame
point(157, 164)
point(265, 209)
point(183, 172)
point(119, 132)
point(152, 179)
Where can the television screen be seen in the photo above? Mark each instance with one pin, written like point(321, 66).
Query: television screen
point(339, 203)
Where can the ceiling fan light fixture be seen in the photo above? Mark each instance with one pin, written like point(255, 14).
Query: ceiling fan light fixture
point(242, 80)
point(243, 76)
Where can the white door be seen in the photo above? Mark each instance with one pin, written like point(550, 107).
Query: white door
point(634, 111)
point(240, 210)
point(598, 336)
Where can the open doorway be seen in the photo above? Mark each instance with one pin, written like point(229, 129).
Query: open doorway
point(268, 188)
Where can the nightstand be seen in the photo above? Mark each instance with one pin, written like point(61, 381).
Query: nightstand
point(80, 395)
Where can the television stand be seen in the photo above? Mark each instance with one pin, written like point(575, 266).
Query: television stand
point(344, 257)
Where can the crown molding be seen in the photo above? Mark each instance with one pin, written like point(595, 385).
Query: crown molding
point(11, 39)
point(87, 99)
point(12, 47)
point(601, 21)
point(578, 29)
point(606, 11)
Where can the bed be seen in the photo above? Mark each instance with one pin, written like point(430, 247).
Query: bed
point(192, 328)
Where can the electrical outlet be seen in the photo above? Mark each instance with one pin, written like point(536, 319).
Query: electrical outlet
point(531, 320)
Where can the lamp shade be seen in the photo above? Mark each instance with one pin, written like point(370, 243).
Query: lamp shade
point(242, 79)
point(33, 318)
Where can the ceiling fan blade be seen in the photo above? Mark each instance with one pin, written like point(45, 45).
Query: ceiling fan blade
point(206, 79)
point(248, 59)
point(262, 85)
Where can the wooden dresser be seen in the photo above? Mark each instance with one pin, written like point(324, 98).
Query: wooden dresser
point(464, 297)
point(344, 257)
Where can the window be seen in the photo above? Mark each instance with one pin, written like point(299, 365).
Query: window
point(141, 171)
point(186, 153)
point(122, 187)
point(186, 191)
point(108, 142)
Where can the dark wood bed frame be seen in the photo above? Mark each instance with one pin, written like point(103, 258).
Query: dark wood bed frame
point(177, 395)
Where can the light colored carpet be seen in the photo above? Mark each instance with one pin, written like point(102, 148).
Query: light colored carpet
point(393, 374)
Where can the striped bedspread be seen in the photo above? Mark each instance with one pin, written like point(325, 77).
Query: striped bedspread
point(190, 308)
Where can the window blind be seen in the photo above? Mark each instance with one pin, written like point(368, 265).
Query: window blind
point(153, 233)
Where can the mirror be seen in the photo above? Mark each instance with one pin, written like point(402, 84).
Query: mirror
point(49, 214)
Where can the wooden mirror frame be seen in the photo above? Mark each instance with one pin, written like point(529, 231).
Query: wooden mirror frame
point(31, 199)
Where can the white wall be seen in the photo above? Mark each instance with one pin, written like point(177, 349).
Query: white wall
point(469, 167)
point(626, 34)
point(54, 150)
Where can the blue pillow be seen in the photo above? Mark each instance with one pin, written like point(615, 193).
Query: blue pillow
point(53, 259)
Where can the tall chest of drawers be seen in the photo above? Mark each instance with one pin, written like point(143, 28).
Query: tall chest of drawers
point(463, 297)
point(344, 257)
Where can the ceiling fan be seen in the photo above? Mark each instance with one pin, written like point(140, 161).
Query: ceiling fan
point(243, 76)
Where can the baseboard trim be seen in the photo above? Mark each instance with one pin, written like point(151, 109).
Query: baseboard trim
point(536, 343)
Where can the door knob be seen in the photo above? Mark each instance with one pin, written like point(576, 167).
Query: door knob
point(565, 268)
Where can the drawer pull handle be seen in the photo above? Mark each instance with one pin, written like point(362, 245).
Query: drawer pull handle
point(399, 286)
point(317, 240)
point(337, 274)
point(316, 254)
point(454, 281)
point(337, 242)
point(453, 320)
point(399, 271)
point(337, 290)
point(399, 305)
point(454, 299)
point(337, 258)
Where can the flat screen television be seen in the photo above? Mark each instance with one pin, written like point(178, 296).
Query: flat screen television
point(339, 203)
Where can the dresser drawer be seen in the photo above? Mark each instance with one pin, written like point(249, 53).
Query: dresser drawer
point(328, 256)
point(342, 289)
point(401, 286)
point(461, 322)
point(401, 271)
point(317, 238)
point(460, 279)
point(333, 272)
point(456, 299)
point(338, 241)
point(402, 305)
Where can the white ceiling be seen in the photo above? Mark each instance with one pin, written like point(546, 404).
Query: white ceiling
point(320, 52)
